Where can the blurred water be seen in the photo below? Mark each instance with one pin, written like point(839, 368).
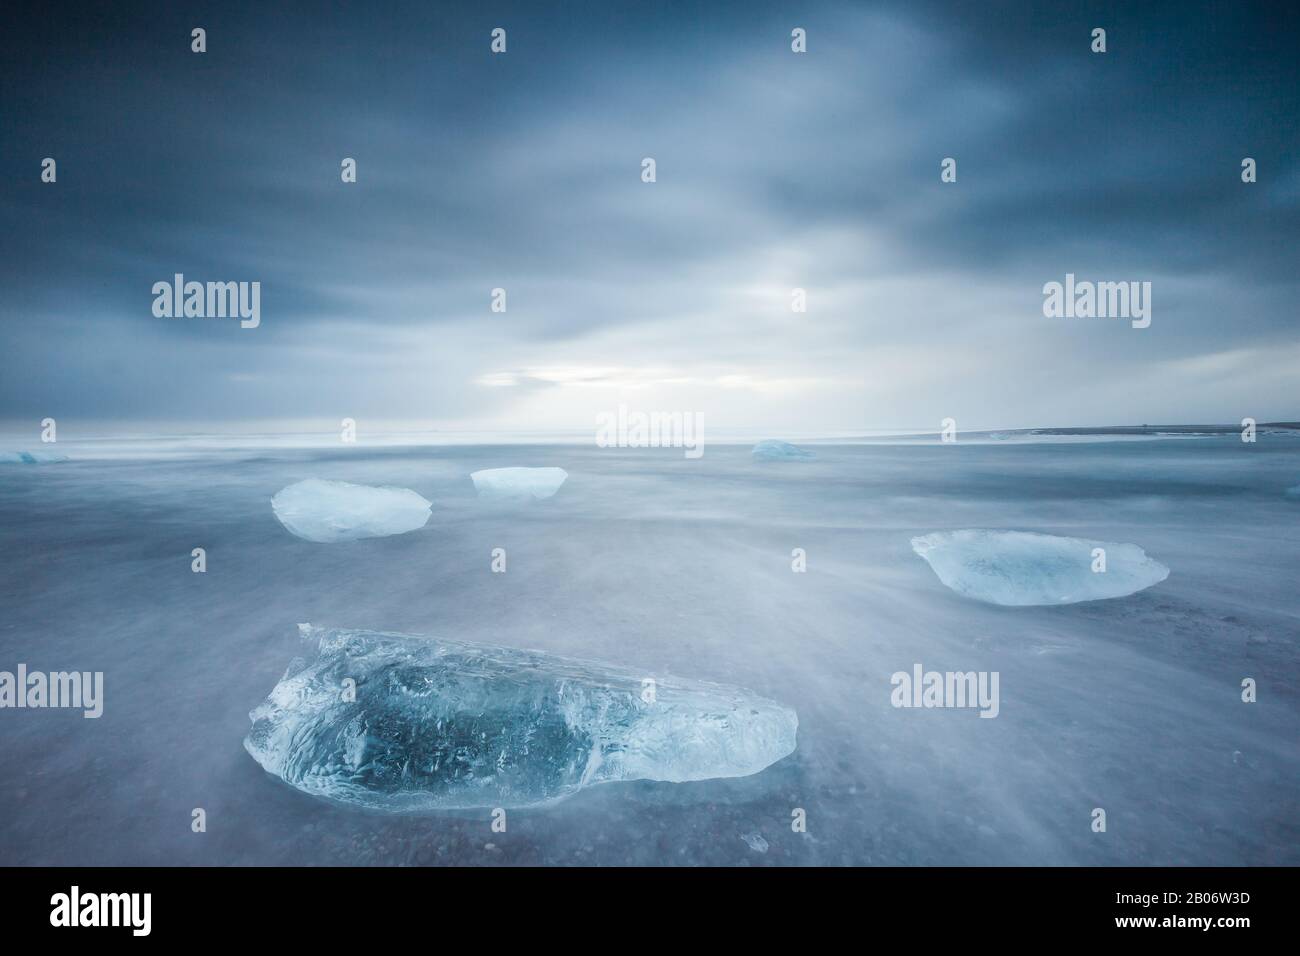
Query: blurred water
point(680, 567)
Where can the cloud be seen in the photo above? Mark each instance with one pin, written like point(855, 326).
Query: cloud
point(775, 171)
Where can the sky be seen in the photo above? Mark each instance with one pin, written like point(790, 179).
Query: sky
point(774, 171)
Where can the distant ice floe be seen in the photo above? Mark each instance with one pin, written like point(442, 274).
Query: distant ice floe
point(30, 458)
point(330, 511)
point(1021, 568)
point(772, 450)
point(536, 483)
point(437, 724)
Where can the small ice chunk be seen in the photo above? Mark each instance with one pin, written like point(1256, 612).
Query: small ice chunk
point(402, 723)
point(1021, 568)
point(755, 841)
point(330, 511)
point(30, 457)
point(534, 483)
point(772, 450)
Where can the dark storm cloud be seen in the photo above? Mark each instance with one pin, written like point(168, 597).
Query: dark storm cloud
point(522, 171)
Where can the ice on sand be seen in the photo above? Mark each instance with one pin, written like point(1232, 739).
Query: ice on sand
point(518, 482)
point(443, 724)
point(330, 511)
point(1020, 568)
point(772, 450)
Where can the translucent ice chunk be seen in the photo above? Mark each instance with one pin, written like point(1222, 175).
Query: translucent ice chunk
point(772, 450)
point(331, 511)
point(1019, 568)
point(30, 457)
point(518, 482)
point(439, 724)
